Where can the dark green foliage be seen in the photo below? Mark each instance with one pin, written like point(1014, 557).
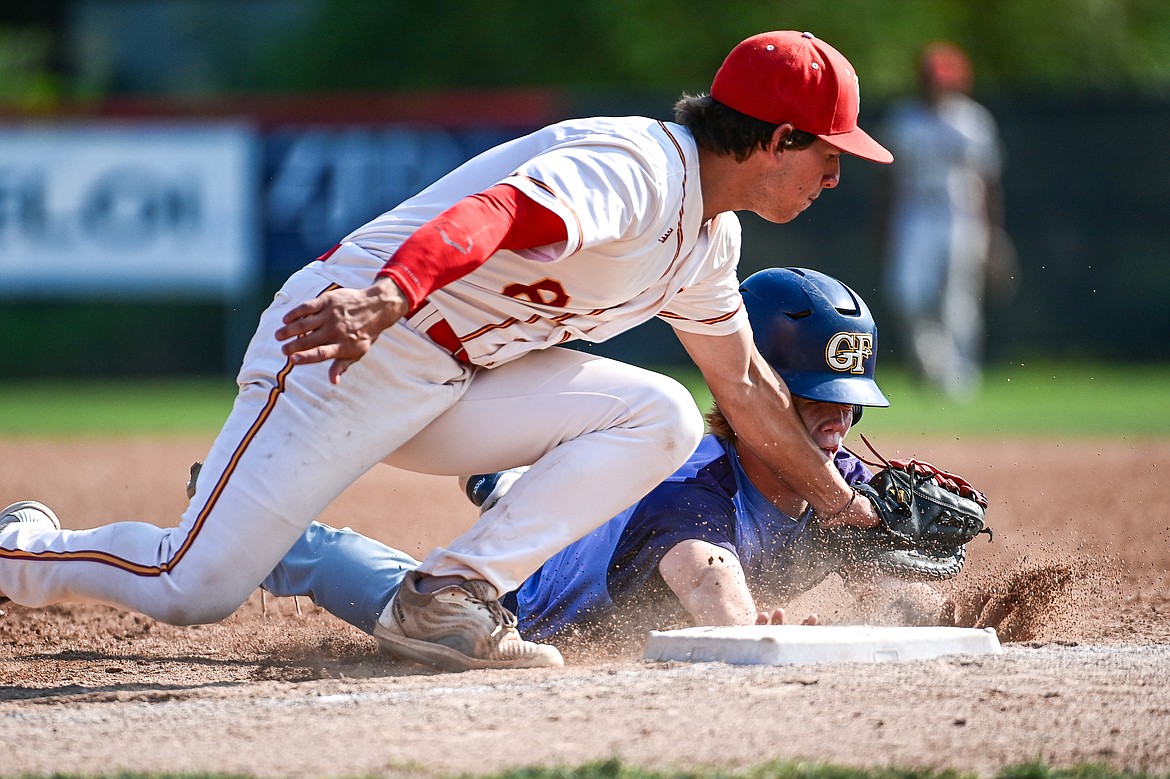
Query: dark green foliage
point(652, 43)
point(341, 45)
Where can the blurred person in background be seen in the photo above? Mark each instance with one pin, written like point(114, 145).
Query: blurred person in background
point(942, 221)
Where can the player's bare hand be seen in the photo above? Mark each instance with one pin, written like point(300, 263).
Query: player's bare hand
point(777, 618)
point(341, 325)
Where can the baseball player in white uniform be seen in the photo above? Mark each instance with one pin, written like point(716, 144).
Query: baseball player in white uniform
point(444, 314)
point(945, 214)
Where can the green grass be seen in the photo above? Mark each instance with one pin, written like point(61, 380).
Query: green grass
point(1034, 400)
point(1018, 401)
point(1038, 400)
point(114, 408)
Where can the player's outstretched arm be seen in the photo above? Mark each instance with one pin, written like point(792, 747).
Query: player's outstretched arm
point(759, 407)
point(709, 582)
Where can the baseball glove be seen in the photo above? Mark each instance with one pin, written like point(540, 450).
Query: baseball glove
point(928, 516)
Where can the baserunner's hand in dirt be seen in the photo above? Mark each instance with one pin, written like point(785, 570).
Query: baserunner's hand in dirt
point(777, 618)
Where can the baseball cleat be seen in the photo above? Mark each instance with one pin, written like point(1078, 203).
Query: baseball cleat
point(28, 512)
point(457, 628)
point(486, 489)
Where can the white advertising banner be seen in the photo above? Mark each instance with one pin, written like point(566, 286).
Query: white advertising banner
point(128, 210)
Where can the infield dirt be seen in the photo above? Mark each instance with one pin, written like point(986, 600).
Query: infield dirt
point(1076, 574)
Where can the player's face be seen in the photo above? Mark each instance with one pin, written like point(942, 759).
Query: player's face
point(797, 179)
point(827, 423)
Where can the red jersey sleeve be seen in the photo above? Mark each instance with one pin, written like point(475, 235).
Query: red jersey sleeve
point(462, 238)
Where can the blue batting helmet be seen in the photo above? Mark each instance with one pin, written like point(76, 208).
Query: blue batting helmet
point(816, 332)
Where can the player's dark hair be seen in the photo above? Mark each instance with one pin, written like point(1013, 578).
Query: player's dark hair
point(724, 130)
point(718, 424)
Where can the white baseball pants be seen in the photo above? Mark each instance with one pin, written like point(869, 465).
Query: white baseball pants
point(935, 282)
point(598, 433)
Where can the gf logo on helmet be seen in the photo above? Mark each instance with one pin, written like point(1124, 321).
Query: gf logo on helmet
point(849, 351)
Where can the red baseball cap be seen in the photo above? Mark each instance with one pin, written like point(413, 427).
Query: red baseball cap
point(795, 77)
point(948, 67)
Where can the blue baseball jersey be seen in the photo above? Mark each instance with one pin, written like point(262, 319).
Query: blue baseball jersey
point(709, 498)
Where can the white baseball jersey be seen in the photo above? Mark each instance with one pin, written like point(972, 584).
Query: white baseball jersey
point(636, 245)
point(946, 154)
point(939, 230)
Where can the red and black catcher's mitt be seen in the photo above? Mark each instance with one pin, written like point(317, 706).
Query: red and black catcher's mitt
point(928, 516)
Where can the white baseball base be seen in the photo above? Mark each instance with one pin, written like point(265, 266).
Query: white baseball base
point(799, 644)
